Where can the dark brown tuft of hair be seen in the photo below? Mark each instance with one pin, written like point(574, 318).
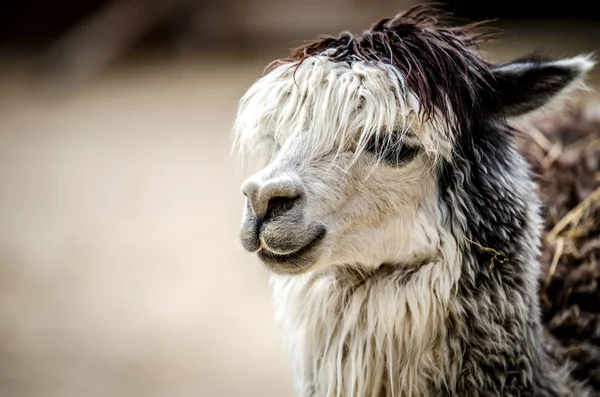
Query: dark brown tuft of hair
point(440, 62)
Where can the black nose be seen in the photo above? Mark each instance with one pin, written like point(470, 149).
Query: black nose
point(274, 197)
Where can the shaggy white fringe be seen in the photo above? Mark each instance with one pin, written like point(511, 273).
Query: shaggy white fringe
point(333, 106)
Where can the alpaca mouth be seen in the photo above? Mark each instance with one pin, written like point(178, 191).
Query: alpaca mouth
point(294, 262)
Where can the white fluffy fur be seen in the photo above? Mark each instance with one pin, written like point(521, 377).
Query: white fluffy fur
point(333, 106)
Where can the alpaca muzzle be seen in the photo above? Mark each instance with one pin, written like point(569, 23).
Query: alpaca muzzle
point(274, 224)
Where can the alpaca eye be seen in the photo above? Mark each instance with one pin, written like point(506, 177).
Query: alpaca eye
point(392, 152)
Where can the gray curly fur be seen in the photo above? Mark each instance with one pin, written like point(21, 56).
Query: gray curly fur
point(499, 339)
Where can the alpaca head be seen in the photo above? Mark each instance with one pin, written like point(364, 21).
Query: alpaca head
point(348, 133)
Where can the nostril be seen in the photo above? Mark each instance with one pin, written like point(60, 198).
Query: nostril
point(280, 204)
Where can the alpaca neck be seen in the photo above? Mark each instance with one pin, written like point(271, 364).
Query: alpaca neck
point(368, 332)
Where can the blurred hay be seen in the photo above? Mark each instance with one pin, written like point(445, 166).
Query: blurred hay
point(564, 151)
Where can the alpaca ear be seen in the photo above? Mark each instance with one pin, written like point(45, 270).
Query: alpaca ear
point(525, 85)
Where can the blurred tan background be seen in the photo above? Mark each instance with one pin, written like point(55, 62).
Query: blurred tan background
point(120, 270)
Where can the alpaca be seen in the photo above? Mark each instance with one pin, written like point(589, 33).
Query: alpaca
point(400, 225)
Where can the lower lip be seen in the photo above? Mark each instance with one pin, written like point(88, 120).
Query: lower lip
point(297, 256)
